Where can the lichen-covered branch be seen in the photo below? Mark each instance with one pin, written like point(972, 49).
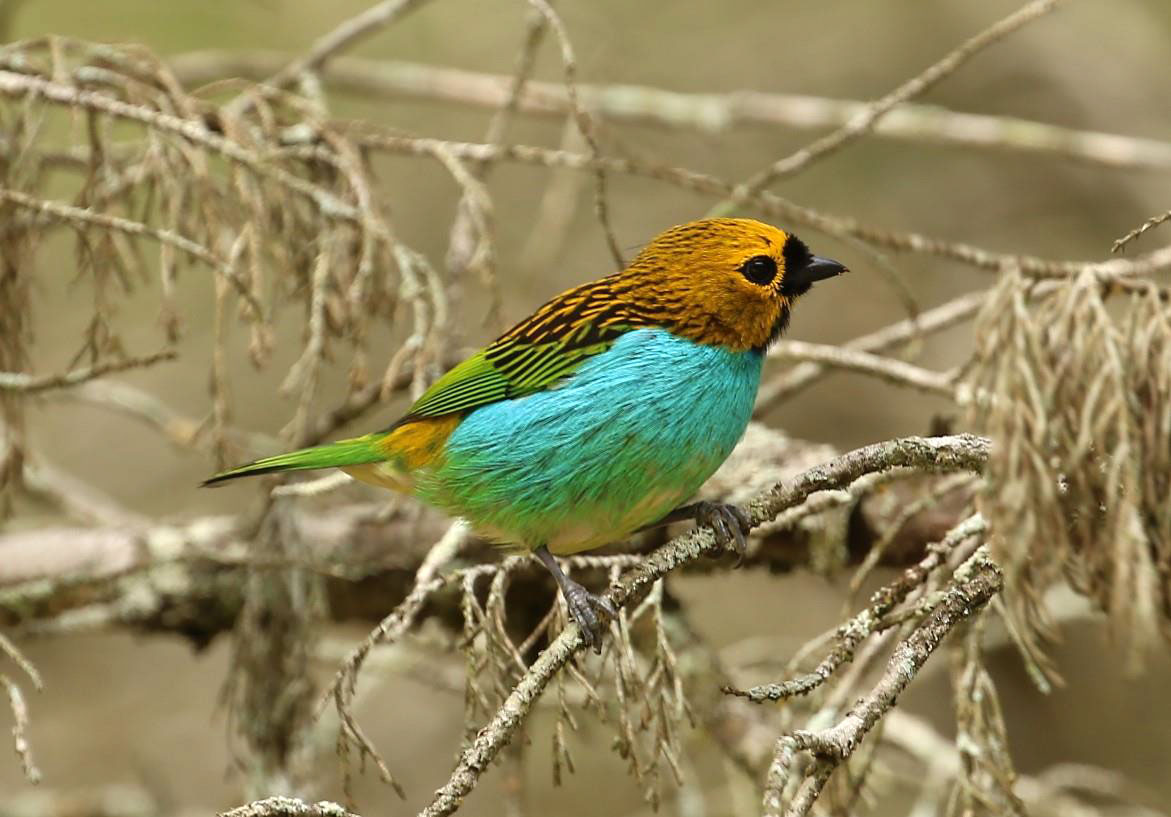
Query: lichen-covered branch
point(853, 632)
point(185, 578)
point(288, 807)
point(935, 455)
point(829, 747)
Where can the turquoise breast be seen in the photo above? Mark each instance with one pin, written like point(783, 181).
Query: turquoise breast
point(631, 435)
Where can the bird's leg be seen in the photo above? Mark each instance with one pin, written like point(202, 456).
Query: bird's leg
point(729, 522)
point(583, 605)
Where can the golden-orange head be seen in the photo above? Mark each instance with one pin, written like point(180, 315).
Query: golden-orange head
point(722, 281)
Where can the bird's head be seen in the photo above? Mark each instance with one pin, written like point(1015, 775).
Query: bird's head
point(725, 281)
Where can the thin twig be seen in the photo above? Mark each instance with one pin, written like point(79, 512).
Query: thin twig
point(849, 635)
point(30, 384)
point(14, 654)
point(400, 619)
point(20, 729)
point(936, 319)
point(344, 685)
point(773, 205)
point(884, 368)
point(907, 512)
point(22, 85)
point(1150, 223)
point(19, 708)
point(470, 214)
point(585, 125)
point(329, 45)
point(868, 116)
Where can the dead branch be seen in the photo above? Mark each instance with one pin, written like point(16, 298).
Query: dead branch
point(1150, 224)
point(831, 746)
point(78, 215)
point(705, 112)
point(20, 729)
point(884, 368)
point(19, 708)
point(22, 85)
point(28, 383)
point(852, 633)
point(904, 332)
point(345, 35)
point(585, 126)
point(773, 205)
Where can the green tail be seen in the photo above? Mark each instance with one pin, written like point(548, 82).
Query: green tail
point(356, 451)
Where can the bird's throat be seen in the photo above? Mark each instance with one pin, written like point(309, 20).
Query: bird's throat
point(778, 328)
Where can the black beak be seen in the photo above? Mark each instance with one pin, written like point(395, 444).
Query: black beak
point(798, 281)
point(820, 268)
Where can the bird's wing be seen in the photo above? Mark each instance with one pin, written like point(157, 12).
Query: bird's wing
point(538, 352)
point(512, 367)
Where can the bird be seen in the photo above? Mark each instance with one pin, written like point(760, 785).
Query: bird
point(603, 412)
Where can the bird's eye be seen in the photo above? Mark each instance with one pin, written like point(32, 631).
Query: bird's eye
point(760, 270)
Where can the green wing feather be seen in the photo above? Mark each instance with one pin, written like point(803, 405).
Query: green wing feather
point(510, 368)
point(355, 451)
point(535, 354)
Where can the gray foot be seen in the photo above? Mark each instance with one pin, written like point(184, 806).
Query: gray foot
point(584, 607)
point(730, 524)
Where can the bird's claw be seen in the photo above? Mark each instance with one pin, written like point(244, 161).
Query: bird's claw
point(584, 607)
point(730, 524)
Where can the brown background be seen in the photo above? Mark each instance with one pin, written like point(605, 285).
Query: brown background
point(144, 711)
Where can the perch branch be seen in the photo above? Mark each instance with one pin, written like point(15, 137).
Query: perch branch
point(938, 454)
point(183, 579)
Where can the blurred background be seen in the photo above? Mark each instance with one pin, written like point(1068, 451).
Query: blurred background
point(144, 712)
